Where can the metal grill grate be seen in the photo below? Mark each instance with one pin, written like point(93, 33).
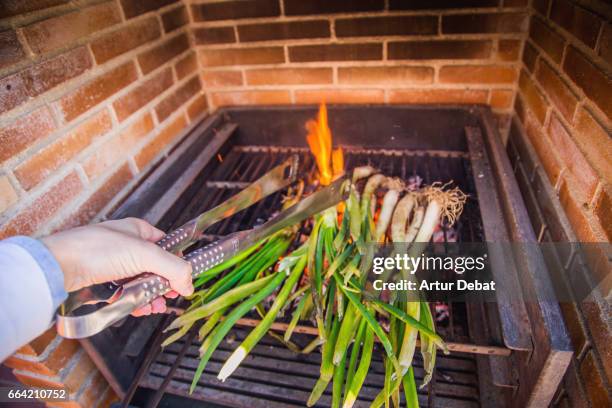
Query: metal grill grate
point(274, 376)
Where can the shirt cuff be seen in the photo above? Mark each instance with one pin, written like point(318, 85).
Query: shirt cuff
point(49, 265)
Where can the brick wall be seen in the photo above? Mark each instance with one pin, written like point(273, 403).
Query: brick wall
point(302, 52)
point(565, 105)
point(92, 93)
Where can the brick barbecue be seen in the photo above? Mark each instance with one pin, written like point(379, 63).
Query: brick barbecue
point(95, 94)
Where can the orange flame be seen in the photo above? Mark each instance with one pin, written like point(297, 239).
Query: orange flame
point(330, 163)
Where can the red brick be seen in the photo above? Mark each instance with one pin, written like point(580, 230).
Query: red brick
point(605, 47)
point(17, 363)
point(165, 137)
point(251, 98)
point(595, 142)
point(530, 56)
point(284, 31)
point(594, 384)
point(508, 50)
point(547, 39)
point(230, 10)
point(219, 79)
point(14, 92)
point(39, 78)
point(124, 39)
point(39, 344)
point(172, 102)
point(501, 98)
point(51, 157)
point(289, 76)
point(83, 369)
point(581, 221)
point(44, 207)
point(383, 26)
point(440, 4)
point(386, 75)
point(603, 211)
point(593, 80)
point(102, 196)
point(57, 32)
point(544, 150)
point(93, 391)
point(13, 8)
point(214, 35)
point(439, 49)
point(533, 97)
point(60, 356)
point(142, 94)
point(23, 132)
point(39, 382)
point(578, 21)
point(154, 58)
point(8, 195)
point(242, 56)
point(51, 73)
point(12, 51)
point(428, 96)
point(557, 90)
point(335, 52)
point(186, 65)
point(197, 107)
point(107, 155)
point(477, 74)
point(597, 321)
point(173, 19)
point(133, 8)
point(97, 90)
point(299, 7)
point(484, 23)
point(340, 96)
point(519, 107)
point(573, 158)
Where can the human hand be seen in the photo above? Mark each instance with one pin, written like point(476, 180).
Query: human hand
point(118, 249)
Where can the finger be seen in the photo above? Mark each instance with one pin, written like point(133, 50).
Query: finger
point(158, 305)
point(151, 258)
point(135, 227)
point(142, 311)
point(171, 295)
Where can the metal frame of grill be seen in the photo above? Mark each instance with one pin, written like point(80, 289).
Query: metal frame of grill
point(503, 342)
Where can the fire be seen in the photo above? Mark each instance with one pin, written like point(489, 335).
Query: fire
point(329, 162)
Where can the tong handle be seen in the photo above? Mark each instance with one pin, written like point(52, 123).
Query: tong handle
point(178, 239)
point(142, 290)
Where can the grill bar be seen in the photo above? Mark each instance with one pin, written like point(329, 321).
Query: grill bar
point(173, 370)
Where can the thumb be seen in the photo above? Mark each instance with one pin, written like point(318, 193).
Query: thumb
point(151, 258)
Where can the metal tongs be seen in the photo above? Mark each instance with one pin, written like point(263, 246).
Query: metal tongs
point(128, 294)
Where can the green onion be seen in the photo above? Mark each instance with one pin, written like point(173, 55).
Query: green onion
point(347, 330)
point(327, 366)
point(410, 391)
point(295, 318)
point(228, 298)
point(253, 338)
point(217, 335)
point(362, 369)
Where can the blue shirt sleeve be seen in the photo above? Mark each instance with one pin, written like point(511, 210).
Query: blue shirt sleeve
point(32, 285)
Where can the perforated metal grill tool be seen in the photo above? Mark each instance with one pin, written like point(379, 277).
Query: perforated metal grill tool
point(127, 295)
